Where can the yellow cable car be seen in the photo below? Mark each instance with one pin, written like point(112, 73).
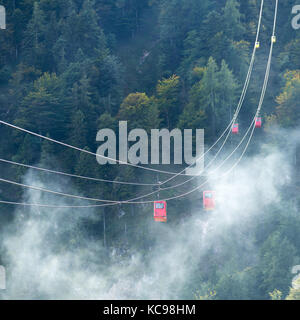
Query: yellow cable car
point(257, 45)
point(273, 39)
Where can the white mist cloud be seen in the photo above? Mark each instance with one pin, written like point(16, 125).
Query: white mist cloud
point(50, 257)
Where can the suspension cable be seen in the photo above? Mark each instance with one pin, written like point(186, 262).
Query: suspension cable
point(175, 197)
point(246, 84)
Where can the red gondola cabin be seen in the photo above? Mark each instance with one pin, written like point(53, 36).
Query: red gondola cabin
point(258, 122)
point(160, 211)
point(235, 128)
point(209, 200)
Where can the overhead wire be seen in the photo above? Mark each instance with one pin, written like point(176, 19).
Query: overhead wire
point(246, 84)
point(181, 195)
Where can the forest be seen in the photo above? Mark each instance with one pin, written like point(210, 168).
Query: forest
point(69, 68)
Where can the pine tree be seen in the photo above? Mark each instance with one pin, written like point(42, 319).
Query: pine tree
point(140, 112)
point(168, 101)
point(232, 25)
point(278, 255)
point(227, 96)
point(210, 87)
point(45, 109)
point(287, 110)
point(34, 41)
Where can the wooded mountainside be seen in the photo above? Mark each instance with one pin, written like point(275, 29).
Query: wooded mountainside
point(69, 68)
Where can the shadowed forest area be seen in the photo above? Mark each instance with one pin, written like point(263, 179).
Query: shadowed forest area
point(69, 68)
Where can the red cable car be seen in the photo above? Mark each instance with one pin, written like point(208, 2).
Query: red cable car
point(258, 122)
point(160, 211)
point(235, 128)
point(209, 200)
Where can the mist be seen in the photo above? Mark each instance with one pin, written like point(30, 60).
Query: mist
point(50, 254)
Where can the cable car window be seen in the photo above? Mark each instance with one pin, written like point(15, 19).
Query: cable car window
point(159, 206)
point(208, 195)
